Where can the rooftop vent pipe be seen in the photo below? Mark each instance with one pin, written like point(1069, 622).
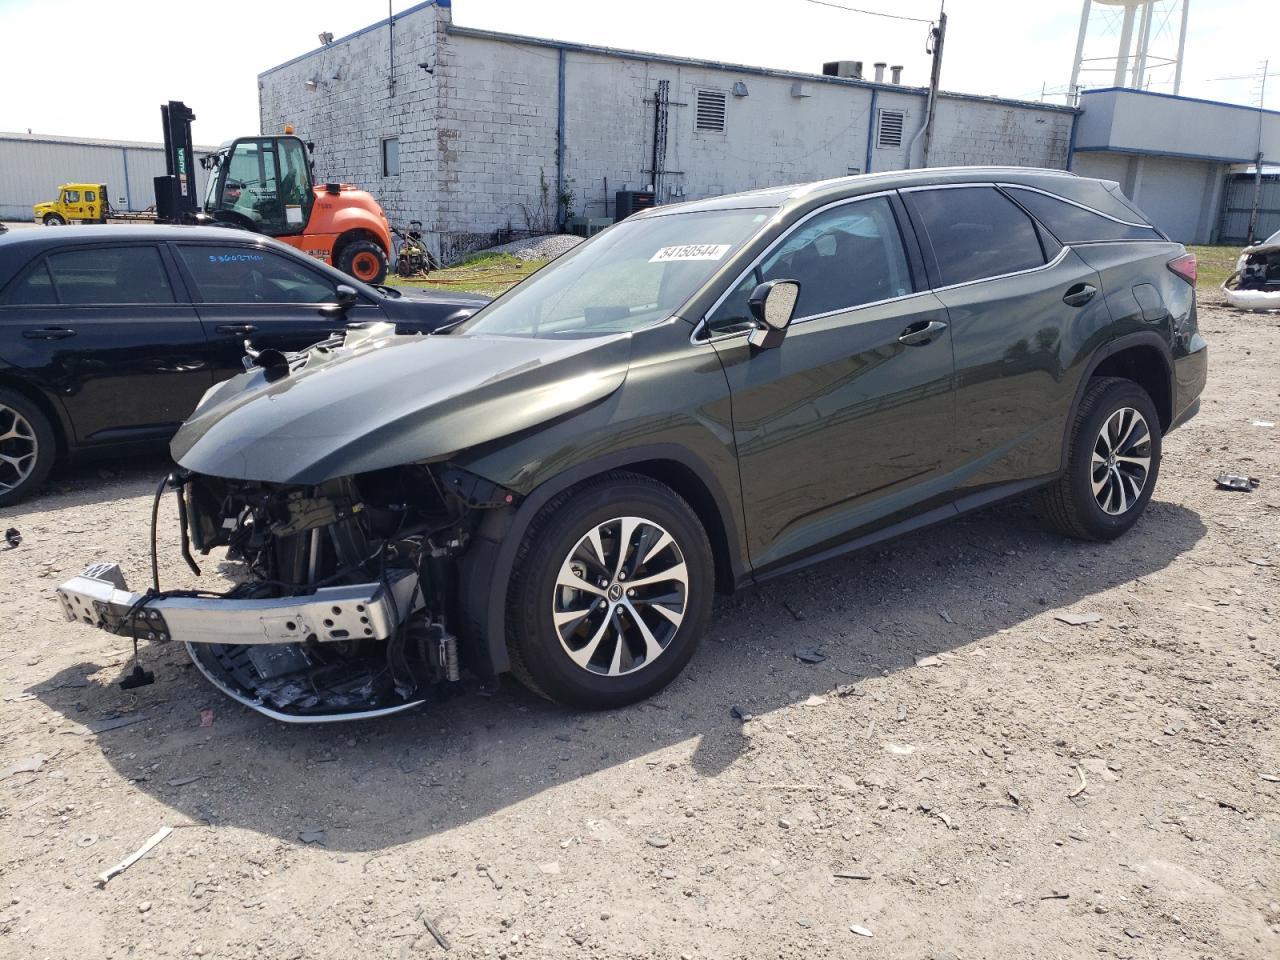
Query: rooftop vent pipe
point(895, 74)
point(880, 71)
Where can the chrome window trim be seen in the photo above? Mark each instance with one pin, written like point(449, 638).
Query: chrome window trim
point(760, 258)
point(1076, 203)
point(1005, 276)
point(694, 336)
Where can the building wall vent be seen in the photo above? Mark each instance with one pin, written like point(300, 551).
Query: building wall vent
point(889, 128)
point(711, 110)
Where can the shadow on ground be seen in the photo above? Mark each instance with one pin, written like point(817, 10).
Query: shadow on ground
point(385, 782)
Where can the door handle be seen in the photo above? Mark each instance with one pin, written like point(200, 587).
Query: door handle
point(49, 333)
point(238, 329)
point(1079, 295)
point(918, 334)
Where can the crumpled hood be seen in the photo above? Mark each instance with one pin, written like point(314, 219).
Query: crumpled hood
point(393, 400)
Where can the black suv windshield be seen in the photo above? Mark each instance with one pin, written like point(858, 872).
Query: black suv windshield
point(634, 274)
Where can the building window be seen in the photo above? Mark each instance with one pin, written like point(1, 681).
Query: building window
point(709, 117)
point(889, 128)
point(391, 157)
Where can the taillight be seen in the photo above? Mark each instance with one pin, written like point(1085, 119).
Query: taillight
point(1185, 267)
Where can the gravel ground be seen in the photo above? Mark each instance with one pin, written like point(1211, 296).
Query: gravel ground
point(537, 248)
point(964, 775)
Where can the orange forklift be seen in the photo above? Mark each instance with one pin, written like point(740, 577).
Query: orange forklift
point(265, 184)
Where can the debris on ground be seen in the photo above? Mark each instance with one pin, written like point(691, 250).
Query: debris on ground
point(30, 765)
point(1235, 481)
point(1078, 619)
point(313, 836)
point(12, 537)
point(851, 875)
point(810, 655)
point(1084, 785)
point(658, 841)
point(105, 876)
point(860, 930)
point(433, 929)
point(206, 718)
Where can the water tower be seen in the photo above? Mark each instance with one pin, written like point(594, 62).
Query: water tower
point(1131, 43)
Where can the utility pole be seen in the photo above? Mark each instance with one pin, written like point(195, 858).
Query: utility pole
point(937, 36)
point(1257, 160)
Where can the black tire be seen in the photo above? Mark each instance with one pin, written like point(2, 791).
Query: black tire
point(1070, 505)
point(539, 658)
point(19, 415)
point(364, 260)
point(54, 220)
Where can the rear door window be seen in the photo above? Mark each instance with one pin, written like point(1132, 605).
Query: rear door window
point(233, 274)
point(973, 233)
point(110, 275)
point(1071, 223)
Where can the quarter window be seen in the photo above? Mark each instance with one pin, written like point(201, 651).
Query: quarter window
point(844, 257)
point(1074, 224)
point(227, 274)
point(110, 275)
point(974, 233)
point(33, 288)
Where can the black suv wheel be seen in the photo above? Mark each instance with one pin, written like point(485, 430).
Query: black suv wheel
point(611, 591)
point(1112, 463)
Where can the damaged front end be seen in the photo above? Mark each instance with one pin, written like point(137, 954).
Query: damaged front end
point(1255, 284)
point(346, 590)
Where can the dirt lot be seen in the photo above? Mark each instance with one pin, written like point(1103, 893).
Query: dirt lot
point(991, 781)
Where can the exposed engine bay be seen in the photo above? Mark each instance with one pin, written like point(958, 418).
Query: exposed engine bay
point(1255, 284)
point(346, 595)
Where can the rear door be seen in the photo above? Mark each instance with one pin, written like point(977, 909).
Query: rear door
point(247, 292)
point(104, 329)
point(1019, 304)
point(848, 424)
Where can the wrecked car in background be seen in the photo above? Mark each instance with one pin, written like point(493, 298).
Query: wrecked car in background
point(697, 398)
point(1255, 283)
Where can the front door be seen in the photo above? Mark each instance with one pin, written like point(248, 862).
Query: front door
point(102, 328)
point(848, 424)
point(246, 292)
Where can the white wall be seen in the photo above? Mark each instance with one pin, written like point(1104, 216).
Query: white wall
point(478, 139)
point(32, 169)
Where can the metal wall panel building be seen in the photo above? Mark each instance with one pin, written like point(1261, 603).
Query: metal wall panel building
point(32, 166)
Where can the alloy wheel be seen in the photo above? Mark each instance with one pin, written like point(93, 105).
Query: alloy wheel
point(1121, 461)
point(18, 449)
point(620, 596)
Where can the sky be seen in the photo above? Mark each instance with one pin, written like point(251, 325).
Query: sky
point(136, 54)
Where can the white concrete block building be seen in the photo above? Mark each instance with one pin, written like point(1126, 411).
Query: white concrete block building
point(475, 132)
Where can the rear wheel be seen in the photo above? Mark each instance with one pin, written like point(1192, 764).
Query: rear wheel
point(611, 592)
point(364, 260)
point(1112, 463)
point(27, 447)
point(54, 220)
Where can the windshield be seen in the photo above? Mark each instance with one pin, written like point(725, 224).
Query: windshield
point(631, 275)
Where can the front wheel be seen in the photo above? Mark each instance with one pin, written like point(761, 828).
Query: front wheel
point(364, 260)
point(611, 591)
point(1112, 462)
point(54, 220)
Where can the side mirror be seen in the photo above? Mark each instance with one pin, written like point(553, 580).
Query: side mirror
point(344, 298)
point(772, 305)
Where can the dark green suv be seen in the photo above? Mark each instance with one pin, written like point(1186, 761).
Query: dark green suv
point(700, 397)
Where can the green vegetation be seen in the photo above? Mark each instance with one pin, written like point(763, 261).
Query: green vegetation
point(487, 273)
point(1213, 265)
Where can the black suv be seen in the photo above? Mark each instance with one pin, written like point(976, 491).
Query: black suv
point(699, 397)
point(110, 335)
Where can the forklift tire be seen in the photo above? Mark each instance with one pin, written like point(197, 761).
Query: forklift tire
point(54, 220)
point(363, 260)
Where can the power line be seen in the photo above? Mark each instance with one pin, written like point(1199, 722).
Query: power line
point(869, 13)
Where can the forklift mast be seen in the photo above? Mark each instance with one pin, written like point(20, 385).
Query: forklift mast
point(176, 200)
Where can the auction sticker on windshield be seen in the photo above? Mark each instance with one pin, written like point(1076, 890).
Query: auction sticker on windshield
point(691, 251)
